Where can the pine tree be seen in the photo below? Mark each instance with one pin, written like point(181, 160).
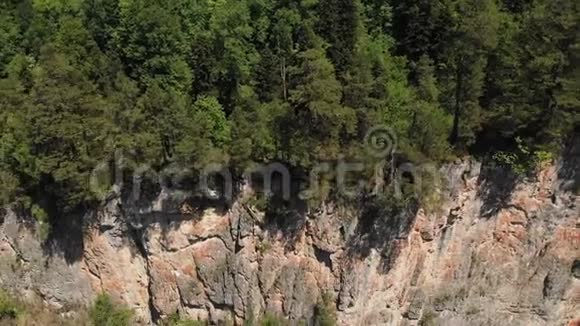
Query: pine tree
point(10, 35)
point(465, 63)
point(318, 120)
point(340, 25)
point(431, 124)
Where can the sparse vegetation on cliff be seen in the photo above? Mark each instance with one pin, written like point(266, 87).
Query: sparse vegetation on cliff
point(105, 312)
point(325, 312)
point(15, 312)
point(177, 320)
point(9, 308)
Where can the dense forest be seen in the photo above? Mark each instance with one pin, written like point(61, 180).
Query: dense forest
point(294, 81)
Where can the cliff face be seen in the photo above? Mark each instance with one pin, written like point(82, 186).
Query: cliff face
point(494, 253)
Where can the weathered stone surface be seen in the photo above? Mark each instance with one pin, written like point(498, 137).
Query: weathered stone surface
point(25, 267)
point(121, 272)
point(214, 267)
point(491, 254)
point(417, 298)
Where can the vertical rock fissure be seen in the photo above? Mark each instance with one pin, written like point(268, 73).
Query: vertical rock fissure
point(138, 239)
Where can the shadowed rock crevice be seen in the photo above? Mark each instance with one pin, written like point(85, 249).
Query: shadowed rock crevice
point(496, 187)
point(575, 270)
point(323, 256)
point(569, 171)
point(287, 217)
point(383, 221)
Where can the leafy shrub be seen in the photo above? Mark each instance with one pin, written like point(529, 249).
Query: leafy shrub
point(541, 157)
point(9, 308)
point(259, 202)
point(104, 312)
point(511, 160)
point(41, 218)
point(325, 312)
point(10, 185)
point(523, 160)
point(178, 320)
point(270, 319)
point(263, 246)
point(14, 312)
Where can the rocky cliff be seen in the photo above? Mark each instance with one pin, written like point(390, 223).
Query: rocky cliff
point(497, 251)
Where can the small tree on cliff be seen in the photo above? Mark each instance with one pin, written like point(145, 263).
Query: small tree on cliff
point(325, 312)
point(105, 312)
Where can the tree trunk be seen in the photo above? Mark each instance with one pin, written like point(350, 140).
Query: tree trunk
point(454, 137)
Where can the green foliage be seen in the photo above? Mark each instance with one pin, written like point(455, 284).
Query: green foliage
point(239, 82)
point(339, 24)
point(431, 125)
point(9, 35)
point(523, 160)
point(105, 312)
point(9, 184)
point(318, 119)
point(15, 312)
point(254, 132)
point(9, 308)
point(263, 246)
point(42, 221)
point(534, 68)
point(205, 132)
point(177, 320)
point(151, 42)
point(270, 319)
point(325, 314)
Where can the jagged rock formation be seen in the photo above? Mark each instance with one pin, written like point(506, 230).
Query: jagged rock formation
point(495, 252)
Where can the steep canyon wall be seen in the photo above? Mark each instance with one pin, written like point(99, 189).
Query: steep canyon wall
point(495, 252)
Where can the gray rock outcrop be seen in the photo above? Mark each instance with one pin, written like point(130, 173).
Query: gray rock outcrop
point(483, 256)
